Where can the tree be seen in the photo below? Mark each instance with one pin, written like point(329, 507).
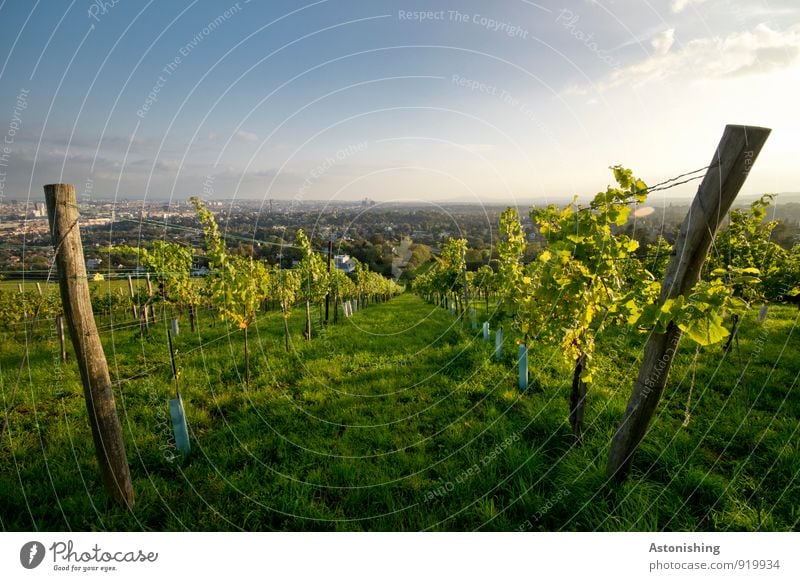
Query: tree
point(341, 289)
point(657, 257)
point(748, 260)
point(238, 284)
point(171, 266)
point(450, 268)
point(582, 279)
point(284, 286)
point(790, 286)
point(483, 282)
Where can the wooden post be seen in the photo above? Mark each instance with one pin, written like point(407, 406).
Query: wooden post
point(335, 308)
point(732, 161)
point(145, 316)
point(285, 330)
point(308, 321)
point(246, 360)
point(464, 281)
point(150, 296)
point(133, 302)
point(62, 213)
point(328, 294)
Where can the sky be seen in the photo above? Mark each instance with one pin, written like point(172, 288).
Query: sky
point(418, 100)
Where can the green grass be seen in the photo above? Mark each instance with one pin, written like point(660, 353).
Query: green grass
point(400, 419)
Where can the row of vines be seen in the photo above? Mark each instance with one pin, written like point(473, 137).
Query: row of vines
point(589, 277)
point(236, 290)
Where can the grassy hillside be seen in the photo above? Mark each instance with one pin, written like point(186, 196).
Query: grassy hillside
point(400, 419)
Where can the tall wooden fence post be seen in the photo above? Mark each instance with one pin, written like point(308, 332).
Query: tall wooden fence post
point(732, 161)
point(133, 298)
point(62, 214)
point(150, 300)
point(328, 294)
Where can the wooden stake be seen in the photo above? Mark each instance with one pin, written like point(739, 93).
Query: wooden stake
point(328, 294)
point(732, 161)
point(62, 214)
point(133, 302)
point(150, 297)
point(308, 321)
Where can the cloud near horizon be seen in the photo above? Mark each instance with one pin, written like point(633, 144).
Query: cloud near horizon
point(757, 51)
point(679, 6)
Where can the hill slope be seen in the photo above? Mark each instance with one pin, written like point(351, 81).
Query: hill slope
point(400, 419)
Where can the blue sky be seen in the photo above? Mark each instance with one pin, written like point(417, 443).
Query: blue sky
point(395, 100)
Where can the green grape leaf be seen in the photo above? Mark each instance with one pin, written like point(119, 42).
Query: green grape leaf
point(705, 331)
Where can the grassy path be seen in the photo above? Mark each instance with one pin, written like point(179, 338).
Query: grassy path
point(399, 419)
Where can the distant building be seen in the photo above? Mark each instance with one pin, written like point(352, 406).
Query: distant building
point(344, 263)
point(39, 210)
point(93, 263)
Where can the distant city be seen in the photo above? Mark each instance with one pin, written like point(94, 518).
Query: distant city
point(392, 238)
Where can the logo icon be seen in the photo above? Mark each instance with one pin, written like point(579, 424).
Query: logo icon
point(31, 554)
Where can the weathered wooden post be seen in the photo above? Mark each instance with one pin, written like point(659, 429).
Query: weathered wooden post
point(732, 161)
point(464, 278)
point(133, 298)
point(150, 297)
point(328, 294)
point(336, 308)
point(62, 213)
point(308, 321)
point(498, 343)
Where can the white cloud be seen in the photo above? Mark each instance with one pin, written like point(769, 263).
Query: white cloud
point(758, 51)
point(681, 5)
point(663, 41)
point(246, 136)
